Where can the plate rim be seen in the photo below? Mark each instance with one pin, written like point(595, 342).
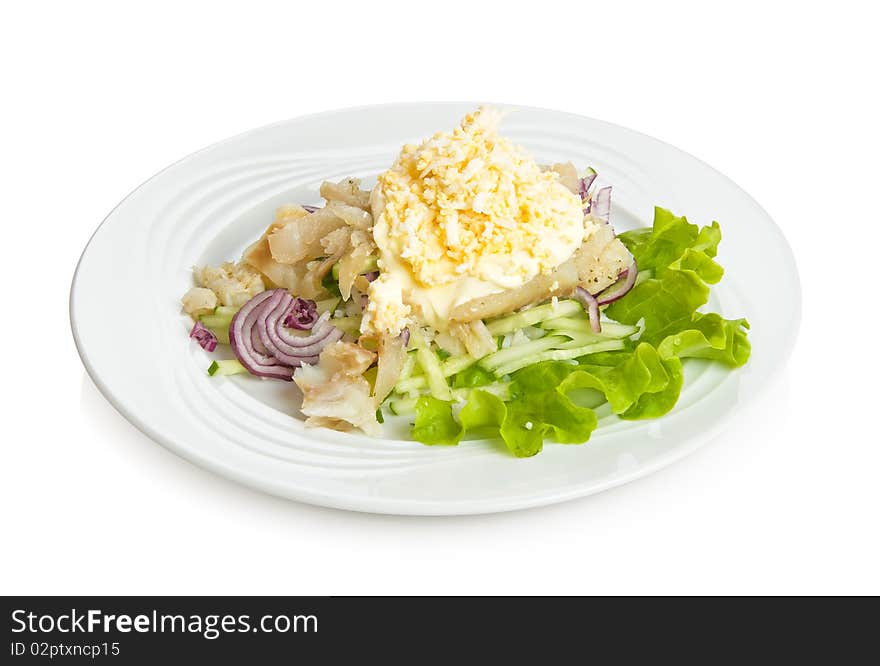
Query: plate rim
point(421, 507)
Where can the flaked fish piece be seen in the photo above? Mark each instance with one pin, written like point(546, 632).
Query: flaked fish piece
point(198, 301)
point(335, 391)
point(601, 259)
point(347, 191)
point(233, 284)
point(296, 239)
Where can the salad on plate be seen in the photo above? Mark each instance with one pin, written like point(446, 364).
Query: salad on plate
point(474, 292)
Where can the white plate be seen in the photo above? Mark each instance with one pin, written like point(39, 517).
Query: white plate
point(206, 208)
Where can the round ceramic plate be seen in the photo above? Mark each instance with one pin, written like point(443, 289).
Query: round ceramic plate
point(208, 207)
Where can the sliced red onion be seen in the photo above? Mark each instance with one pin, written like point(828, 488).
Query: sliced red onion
point(303, 314)
point(372, 275)
point(290, 349)
point(404, 337)
point(206, 339)
point(626, 281)
point(584, 185)
point(310, 209)
point(258, 343)
point(323, 333)
point(600, 204)
point(591, 305)
point(247, 345)
point(264, 344)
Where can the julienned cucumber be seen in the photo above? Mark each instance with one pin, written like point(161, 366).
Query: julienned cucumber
point(577, 333)
point(221, 317)
point(368, 266)
point(581, 339)
point(350, 325)
point(222, 334)
point(327, 305)
point(532, 316)
point(215, 321)
point(449, 367)
point(433, 373)
point(218, 326)
point(505, 361)
point(557, 355)
point(231, 367)
point(409, 365)
point(610, 329)
point(218, 322)
point(400, 406)
point(524, 351)
point(430, 365)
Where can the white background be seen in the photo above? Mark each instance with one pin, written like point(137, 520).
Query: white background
point(779, 96)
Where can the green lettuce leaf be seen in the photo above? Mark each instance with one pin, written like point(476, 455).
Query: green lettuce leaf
point(642, 385)
point(482, 412)
point(667, 240)
point(667, 305)
point(522, 424)
point(471, 377)
point(700, 263)
point(712, 337)
point(435, 423)
point(521, 432)
point(551, 412)
point(654, 403)
point(680, 257)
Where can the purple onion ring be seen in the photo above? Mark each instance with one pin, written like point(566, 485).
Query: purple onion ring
point(600, 204)
point(584, 189)
point(266, 347)
point(591, 305)
point(206, 339)
point(244, 341)
point(302, 315)
point(290, 349)
point(626, 281)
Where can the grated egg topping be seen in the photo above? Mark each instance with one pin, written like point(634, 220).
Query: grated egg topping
point(465, 214)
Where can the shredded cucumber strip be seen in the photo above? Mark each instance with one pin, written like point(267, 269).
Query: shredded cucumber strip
point(401, 406)
point(436, 381)
point(558, 355)
point(430, 364)
point(532, 316)
point(218, 322)
point(448, 367)
point(327, 305)
point(215, 321)
point(218, 326)
point(350, 325)
point(370, 264)
point(222, 334)
point(524, 351)
point(568, 325)
point(230, 367)
point(409, 366)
